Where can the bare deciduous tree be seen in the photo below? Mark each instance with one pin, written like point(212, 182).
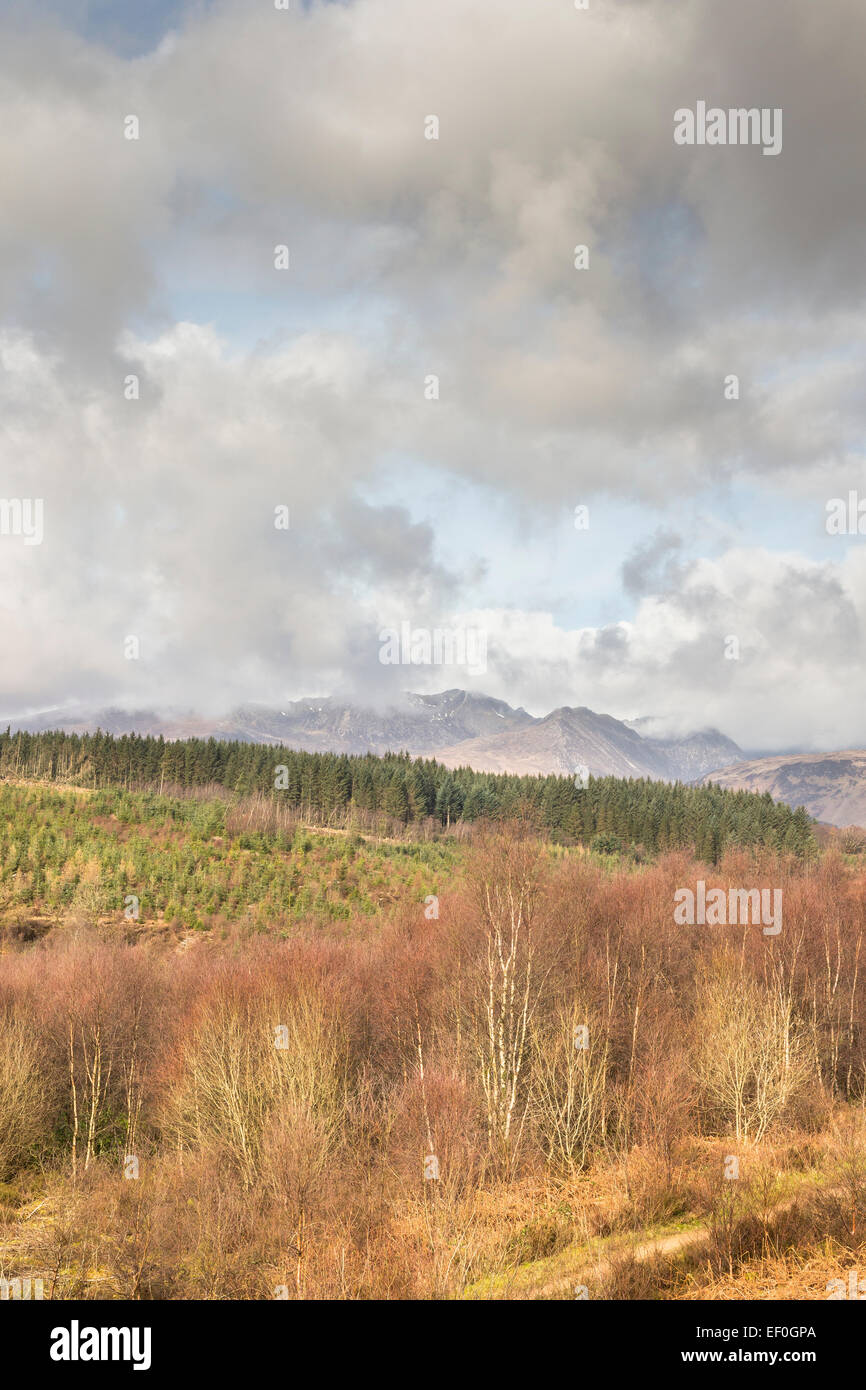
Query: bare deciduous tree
point(751, 1056)
point(570, 1088)
point(24, 1104)
point(508, 890)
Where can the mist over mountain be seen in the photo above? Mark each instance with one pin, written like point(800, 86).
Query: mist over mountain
point(457, 727)
point(692, 754)
point(463, 729)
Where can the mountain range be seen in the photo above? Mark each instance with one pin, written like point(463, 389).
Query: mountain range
point(460, 728)
point(456, 727)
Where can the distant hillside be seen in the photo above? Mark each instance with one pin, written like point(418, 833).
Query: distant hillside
point(831, 786)
point(563, 742)
point(420, 724)
point(417, 724)
point(692, 755)
point(458, 728)
point(569, 739)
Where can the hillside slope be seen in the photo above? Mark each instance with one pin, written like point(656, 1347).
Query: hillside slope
point(832, 786)
point(570, 739)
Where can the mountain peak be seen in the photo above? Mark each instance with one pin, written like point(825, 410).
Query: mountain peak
point(458, 727)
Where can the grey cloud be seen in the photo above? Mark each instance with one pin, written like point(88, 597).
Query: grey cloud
point(651, 566)
point(412, 257)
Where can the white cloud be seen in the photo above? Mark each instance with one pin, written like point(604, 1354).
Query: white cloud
point(409, 257)
point(799, 679)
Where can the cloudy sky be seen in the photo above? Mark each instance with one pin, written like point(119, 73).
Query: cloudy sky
point(308, 387)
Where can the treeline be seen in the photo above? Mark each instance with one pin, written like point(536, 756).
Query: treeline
point(609, 814)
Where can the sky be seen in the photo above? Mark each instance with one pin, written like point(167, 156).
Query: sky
point(170, 378)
